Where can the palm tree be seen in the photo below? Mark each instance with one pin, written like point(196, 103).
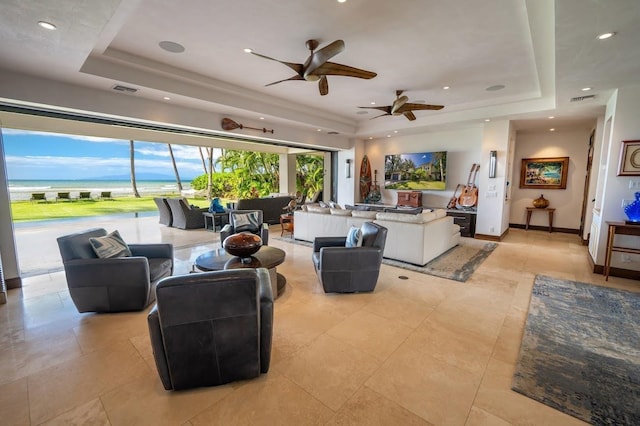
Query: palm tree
point(175, 168)
point(204, 166)
point(133, 169)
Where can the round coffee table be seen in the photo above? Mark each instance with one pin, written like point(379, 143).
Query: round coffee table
point(267, 257)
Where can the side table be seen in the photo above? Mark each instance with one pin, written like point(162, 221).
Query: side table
point(286, 223)
point(530, 210)
point(217, 219)
point(619, 228)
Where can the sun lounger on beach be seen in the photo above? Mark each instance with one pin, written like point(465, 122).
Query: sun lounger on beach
point(63, 196)
point(106, 195)
point(38, 196)
point(84, 195)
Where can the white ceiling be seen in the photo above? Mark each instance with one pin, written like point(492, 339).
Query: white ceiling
point(542, 51)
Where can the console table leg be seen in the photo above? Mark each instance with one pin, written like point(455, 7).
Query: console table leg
point(550, 221)
point(528, 219)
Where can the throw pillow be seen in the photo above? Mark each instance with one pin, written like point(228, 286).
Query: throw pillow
point(354, 237)
point(246, 222)
point(111, 245)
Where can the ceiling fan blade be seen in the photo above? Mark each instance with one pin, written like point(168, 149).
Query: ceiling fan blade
point(323, 85)
point(386, 109)
point(419, 107)
point(331, 68)
point(296, 67)
point(409, 115)
point(378, 116)
point(295, 77)
point(398, 104)
point(321, 56)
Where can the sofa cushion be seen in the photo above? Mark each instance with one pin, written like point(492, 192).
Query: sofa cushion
point(317, 209)
point(354, 237)
point(440, 213)
point(364, 214)
point(246, 222)
point(401, 217)
point(111, 245)
point(340, 212)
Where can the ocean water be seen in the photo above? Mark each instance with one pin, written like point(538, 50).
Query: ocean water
point(22, 189)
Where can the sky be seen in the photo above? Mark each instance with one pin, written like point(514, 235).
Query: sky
point(45, 156)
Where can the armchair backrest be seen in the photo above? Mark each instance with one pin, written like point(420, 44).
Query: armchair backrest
point(77, 246)
point(240, 218)
point(215, 327)
point(373, 235)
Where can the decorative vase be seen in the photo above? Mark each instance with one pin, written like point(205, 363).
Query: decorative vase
point(242, 245)
point(632, 210)
point(541, 203)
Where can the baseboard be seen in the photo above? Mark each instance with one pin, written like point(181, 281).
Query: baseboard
point(545, 228)
point(492, 237)
point(13, 282)
point(617, 272)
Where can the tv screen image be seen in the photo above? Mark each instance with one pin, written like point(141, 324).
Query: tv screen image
point(425, 171)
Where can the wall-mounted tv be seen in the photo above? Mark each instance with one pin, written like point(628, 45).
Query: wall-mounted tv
point(422, 171)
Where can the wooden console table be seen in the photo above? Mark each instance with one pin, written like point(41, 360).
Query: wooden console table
point(530, 210)
point(619, 228)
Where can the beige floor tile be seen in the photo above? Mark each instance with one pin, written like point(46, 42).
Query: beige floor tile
point(371, 333)
point(144, 401)
point(100, 331)
point(495, 396)
point(91, 414)
point(330, 370)
point(454, 345)
point(479, 417)
point(270, 400)
point(507, 346)
point(410, 312)
point(58, 389)
point(482, 318)
point(434, 390)
point(14, 403)
point(369, 408)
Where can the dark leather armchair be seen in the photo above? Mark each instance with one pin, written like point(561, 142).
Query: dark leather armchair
point(115, 284)
point(350, 269)
point(212, 328)
point(164, 211)
point(185, 216)
point(237, 223)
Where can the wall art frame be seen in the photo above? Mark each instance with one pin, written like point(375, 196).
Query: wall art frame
point(629, 159)
point(544, 173)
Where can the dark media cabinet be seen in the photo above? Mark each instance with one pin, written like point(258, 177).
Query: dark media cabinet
point(466, 219)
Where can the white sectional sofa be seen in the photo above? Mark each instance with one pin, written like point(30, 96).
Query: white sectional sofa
point(412, 238)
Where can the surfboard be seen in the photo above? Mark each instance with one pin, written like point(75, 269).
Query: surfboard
point(365, 178)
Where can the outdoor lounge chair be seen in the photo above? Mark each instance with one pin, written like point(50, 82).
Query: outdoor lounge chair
point(106, 195)
point(38, 196)
point(84, 195)
point(184, 215)
point(63, 196)
point(164, 211)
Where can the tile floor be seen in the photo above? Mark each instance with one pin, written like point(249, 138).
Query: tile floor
point(414, 352)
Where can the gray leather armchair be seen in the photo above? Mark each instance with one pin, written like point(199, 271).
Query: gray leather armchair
point(350, 269)
point(212, 328)
point(235, 226)
point(185, 216)
point(115, 284)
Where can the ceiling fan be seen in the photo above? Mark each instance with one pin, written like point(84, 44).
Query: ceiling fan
point(401, 106)
point(317, 67)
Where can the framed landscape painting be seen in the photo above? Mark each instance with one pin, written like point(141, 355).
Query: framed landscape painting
point(544, 173)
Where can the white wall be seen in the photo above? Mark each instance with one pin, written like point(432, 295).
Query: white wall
point(567, 202)
point(463, 148)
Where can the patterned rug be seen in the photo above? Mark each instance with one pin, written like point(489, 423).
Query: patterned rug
point(580, 352)
point(456, 264)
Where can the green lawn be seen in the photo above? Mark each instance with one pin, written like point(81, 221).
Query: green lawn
point(24, 211)
point(419, 185)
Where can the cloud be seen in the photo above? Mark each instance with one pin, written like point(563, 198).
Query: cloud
point(184, 152)
point(18, 132)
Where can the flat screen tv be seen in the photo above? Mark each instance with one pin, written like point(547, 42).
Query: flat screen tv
point(422, 171)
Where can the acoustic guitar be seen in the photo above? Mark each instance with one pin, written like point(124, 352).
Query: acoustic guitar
point(454, 200)
point(469, 195)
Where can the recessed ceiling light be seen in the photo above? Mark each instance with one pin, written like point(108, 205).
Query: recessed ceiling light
point(605, 36)
point(319, 130)
point(395, 131)
point(247, 50)
point(487, 120)
point(388, 136)
point(495, 87)
point(552, 129)
point(342, 1)
point(446, 87)
point(370, 137)
point(47, 25)
point(586, 89)
point(551, 117)
point(171, 46)
point(261, 118)
point(373, 102)
point(166, 98)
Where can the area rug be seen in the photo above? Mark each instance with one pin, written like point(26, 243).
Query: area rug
point(456, 264)
point(580, 352)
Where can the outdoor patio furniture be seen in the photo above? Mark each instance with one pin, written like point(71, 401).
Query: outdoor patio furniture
point(63, 196)
point(184, 215)
point(113, 284)
point(212, 328)
point(106, 195)
point(84, 195)
point(38, 196)
point(164, 211)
